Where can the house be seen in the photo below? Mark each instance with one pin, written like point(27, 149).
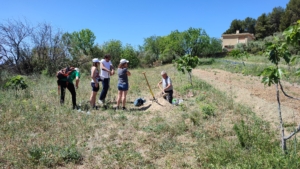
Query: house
point(230, 40)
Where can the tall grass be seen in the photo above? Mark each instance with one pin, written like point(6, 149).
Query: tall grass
point(206, 131)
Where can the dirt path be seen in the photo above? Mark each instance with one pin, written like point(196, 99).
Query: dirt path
point(248, 90)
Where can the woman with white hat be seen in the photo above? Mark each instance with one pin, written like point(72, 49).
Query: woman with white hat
point(123, 86)
point(95, 81)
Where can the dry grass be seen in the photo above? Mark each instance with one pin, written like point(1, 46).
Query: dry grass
point(159, 136)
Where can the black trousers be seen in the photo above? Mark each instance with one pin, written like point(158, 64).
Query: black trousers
point(169, 97)
point(70, 86)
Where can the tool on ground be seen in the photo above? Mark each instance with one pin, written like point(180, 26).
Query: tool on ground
point(149, 86)
point(164, 94)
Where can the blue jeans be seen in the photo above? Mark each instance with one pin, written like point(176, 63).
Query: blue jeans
point(105, 87)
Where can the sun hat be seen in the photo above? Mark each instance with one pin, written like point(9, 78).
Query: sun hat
point(124, 61)
point(95, 60)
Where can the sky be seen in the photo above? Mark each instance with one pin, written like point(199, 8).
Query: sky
point(131, 21)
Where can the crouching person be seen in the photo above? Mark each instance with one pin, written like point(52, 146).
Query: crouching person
point(66, 81)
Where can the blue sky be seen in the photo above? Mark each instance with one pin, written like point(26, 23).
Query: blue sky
point(130, 21)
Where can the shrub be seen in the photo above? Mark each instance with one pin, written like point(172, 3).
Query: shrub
point(16, 82)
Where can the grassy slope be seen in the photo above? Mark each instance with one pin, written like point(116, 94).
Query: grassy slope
point(35, 131)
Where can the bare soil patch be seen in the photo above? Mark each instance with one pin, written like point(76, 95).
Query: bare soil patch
point(248, 90)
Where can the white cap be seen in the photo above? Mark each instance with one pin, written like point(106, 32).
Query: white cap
point(124, 61)
point(95, 60)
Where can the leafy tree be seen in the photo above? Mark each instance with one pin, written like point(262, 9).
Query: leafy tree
point(291, 14)
point(187, 63)
point(214, 46)
point(129, 53)
point(272, 75)
point(114, 48)
point(275, 19)
point(262, 27)
point(248, 25)
point(235, 25)
point(194, 41)
point(151, 44)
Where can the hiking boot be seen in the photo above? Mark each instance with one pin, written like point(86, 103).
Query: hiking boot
point(124, 108)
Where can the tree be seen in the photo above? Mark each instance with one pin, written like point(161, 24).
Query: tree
point(248, 25)
point(187, 63)
point(214, 46)
point(14, 38)
point(114, 48)
point(130, 54)
point(278, 50)
point(49, 52)
point(151, 44)
point(275, 19)
point(80, 43)
point(262, 27)
point(194, 41)
point(291, 14)
point(235, 25)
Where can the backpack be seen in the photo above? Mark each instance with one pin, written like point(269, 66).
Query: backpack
point(139, 102)
point(64, 73)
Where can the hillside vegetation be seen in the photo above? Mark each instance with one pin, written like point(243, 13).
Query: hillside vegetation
point(208, 130)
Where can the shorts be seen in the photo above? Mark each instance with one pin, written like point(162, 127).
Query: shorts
point(123, 86)
point(94, 89)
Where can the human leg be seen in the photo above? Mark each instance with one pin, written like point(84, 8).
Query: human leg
point(169, 97)
point(63, 86)
point(124, 98)
point(93, 94)
point(71, 88)
point(119, 98)
point(105, 87)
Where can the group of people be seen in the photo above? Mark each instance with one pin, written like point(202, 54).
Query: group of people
point(101, 71)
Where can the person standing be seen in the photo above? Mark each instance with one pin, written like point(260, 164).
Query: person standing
point(123, 85)
point(67, 82)
point(95, 81)
point(167, 86)
point(107, 70)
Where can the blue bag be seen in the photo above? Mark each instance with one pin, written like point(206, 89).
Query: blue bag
point(139, 102)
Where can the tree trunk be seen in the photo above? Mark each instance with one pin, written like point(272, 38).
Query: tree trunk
point(283, 140)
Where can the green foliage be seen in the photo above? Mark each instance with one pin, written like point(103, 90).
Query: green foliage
point(262, 27)
point(186, 63)
point(291, 14)
point(16, 83)
point(246, 25)
point(114, 48)
point(51, 156)
point(243, 133)
point(292, 34)
point(235, 53)
point(208, 110)
point(129, 53)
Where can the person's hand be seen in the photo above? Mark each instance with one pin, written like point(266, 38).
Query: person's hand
point(112, 72)
point(96, 85)
point(76, 86)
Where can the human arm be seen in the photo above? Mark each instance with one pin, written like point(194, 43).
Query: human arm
point(93, 76)
point(112, 69)
point(104, 68)
point(159, 83)
point(77, 79)
point(128, 73)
